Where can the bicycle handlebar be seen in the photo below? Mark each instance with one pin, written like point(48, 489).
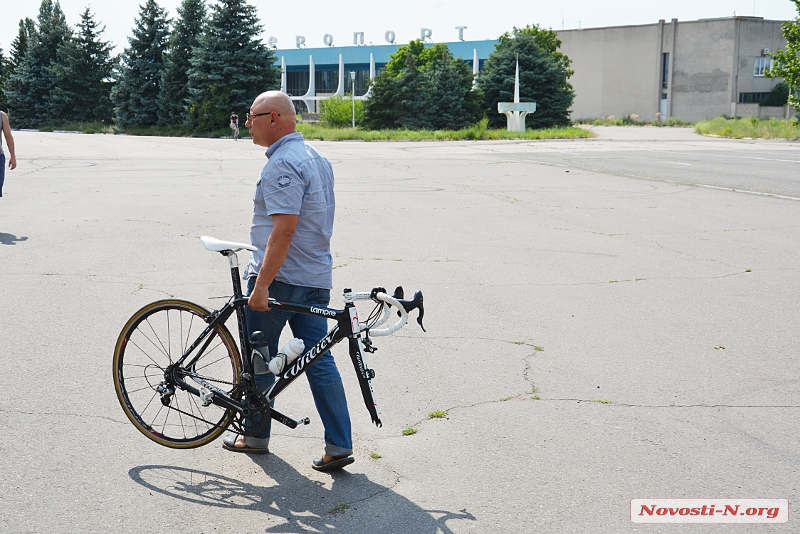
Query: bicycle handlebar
point(391, 301)
point(403, 308)
point(378, 294)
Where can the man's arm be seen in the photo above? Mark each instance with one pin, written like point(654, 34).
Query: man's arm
point(280, 239)
point(12, 159)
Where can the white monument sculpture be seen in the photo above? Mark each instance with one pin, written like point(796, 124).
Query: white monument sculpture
point(516, 111)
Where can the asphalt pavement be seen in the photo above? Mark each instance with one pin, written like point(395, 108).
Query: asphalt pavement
point(607, 319)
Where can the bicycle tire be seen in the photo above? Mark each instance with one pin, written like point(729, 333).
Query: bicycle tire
point(153, 338)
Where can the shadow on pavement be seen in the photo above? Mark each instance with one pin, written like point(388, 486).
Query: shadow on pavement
point(302, 502)
point(10, 239)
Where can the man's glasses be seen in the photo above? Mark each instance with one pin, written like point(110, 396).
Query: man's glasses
point(251, 116)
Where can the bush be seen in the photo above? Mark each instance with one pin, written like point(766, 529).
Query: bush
point(337, 112)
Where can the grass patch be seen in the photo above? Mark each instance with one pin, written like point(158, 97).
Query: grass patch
point(340, 509)
point(438, 414)
point(375, 456)
point(473, 133)
point(506, 399)
point(538, 348)
point(476, 132)
point(410, 431)
point(603, 401)
point(174, 130)
point(752, 128)
point(634, 120)
point(83, 127)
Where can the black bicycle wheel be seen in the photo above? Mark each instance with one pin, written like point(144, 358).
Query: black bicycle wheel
point(152, 340)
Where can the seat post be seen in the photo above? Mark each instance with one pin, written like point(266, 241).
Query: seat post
point(233, 261)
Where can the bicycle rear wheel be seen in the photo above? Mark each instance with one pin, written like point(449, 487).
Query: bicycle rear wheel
point(152, 340)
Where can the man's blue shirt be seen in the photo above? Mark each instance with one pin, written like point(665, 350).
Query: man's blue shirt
point(297, 180)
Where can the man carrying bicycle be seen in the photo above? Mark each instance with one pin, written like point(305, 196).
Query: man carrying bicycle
point(292, 226)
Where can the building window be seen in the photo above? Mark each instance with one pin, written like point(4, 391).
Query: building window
point(763, 64)
point(664, 71)
point(296, 83)
point(753, 98)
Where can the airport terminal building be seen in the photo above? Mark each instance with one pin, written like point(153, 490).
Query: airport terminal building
point(693, 70)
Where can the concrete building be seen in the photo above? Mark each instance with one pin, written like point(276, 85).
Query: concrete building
point(692, 70)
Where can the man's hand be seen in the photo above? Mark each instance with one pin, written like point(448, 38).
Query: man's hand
point(259, 299)
point(12, 163)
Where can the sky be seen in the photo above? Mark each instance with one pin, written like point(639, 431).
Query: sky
point(483, 19)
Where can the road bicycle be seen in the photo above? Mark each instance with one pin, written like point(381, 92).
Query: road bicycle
point(235, 128)
point(182, 380)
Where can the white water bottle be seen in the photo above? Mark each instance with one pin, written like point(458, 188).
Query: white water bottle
point(286, 356)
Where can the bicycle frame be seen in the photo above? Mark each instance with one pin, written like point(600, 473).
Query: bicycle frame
point(347, 326)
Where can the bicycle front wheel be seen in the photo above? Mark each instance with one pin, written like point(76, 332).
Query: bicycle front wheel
point(155, 338)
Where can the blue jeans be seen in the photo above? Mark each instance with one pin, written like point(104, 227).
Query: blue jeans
point(323, 376)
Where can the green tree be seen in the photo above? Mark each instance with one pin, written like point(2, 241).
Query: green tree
point(19, 46)
point(543, 77)
point(135, 95)
point(452, 104)
point(787, 61)
point(83, 73)
point(424, 56)
point(173, 101)
point(231, 66)
point(380, 109)
point(412, 96)
point(423, 88)
point(32, 82)
point(4, 68)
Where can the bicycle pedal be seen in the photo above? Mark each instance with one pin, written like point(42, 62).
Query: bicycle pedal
point(370, 373)
point(305, 421)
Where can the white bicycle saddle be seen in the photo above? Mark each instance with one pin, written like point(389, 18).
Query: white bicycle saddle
point(215, 245)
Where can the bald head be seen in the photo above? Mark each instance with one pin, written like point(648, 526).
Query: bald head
point(275, 100)
point(273, 117)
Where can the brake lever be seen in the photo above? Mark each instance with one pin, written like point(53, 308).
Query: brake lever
point(409, 305)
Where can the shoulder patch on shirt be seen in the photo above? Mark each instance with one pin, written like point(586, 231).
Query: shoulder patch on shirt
point(284, 181)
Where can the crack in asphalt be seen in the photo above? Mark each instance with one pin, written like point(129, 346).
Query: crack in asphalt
point(61, 414)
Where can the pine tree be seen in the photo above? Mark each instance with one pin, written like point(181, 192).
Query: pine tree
point(452, 103)
point(423, 88)
point(380, 109)
point(231, 66)
point(543, 78)
point(4, 66)
point(19, 46)
point(135, 95)
point(31, 83)
point(83, 72)
point(412, 97)
point(173, 99)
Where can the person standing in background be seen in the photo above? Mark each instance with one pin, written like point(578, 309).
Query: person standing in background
point(12, 158)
